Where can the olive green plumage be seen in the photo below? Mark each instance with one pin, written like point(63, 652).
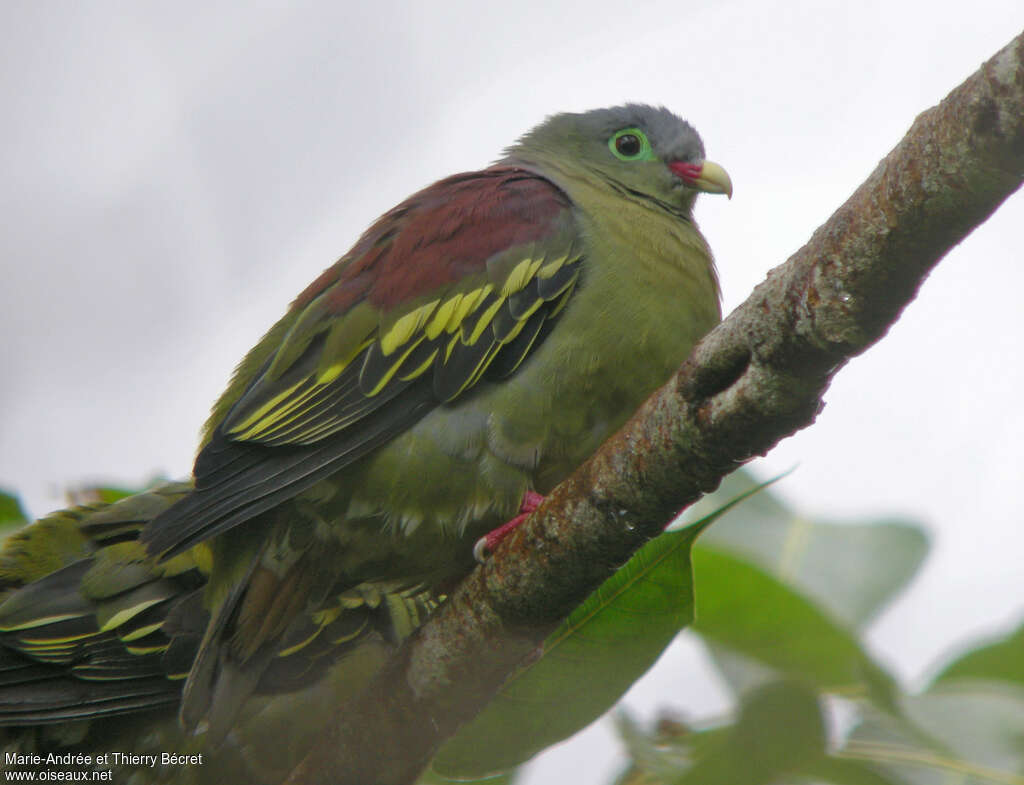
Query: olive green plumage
point(478, 342)
point(96, 639)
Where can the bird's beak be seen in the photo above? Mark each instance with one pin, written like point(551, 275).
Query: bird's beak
point(707, 176)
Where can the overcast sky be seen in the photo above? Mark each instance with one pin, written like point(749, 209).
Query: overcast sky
point(175, 172)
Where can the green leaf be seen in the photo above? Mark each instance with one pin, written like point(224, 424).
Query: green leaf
point(750, 612)
point(848, 571)
point(11, 510)
point(588, 662)
point(999, 660)
point(979, 722)
point(964, 732)
point(12, 514)
point(836, 771)
point(851, 570)
point(778, 736)
point(779, 729)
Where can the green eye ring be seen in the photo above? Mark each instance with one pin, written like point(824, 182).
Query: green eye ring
point(631, 144)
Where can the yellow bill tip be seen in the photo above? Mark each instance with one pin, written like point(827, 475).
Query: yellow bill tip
point(713, 179)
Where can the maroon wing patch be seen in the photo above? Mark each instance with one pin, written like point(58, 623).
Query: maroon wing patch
point(460, 282)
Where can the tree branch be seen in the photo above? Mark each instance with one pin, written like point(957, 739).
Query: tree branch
point(755, 379)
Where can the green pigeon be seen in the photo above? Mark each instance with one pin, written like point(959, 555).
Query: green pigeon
point(477, 343)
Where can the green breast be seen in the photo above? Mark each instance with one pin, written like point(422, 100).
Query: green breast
point(647, 294)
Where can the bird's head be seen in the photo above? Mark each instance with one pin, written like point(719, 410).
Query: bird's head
point(645, 150)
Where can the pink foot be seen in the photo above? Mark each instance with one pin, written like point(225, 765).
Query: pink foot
point(486, 544)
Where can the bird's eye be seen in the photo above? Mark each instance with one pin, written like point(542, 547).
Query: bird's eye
point(630, 144)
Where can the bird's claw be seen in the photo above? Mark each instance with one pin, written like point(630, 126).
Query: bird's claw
point(481, 550)
point(485, 545)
